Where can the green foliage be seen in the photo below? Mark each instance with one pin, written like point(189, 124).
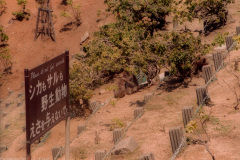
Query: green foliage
point(151, 107)
point(79, 153)
point(219, 39)
point(203, 116)
point(40, 1)
point(116, 123)
point(5, 59)
point(69, 2)
point(191, 127)
point(224, 129)
point(237, 39)
point(3, 36)
point(182, 50)
point(74, 14)
point(122, 45)
point(3, 7)
point(149, 14)
point(64, 14)
point(211, 11)
point(22, 2)
point(83, 80)
point(22, 14)
point(112, 103)
point(132, 43)
point(200, 9)
point(119, 47)
point(112, 88)
point(214, 120)
point(98, 12)
point(2, 4)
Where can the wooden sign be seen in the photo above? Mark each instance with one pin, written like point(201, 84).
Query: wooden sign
point(47, 96)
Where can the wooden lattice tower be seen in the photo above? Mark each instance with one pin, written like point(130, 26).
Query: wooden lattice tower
point(44, 21)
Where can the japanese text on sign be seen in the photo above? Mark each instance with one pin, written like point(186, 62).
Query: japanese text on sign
point(48, 96)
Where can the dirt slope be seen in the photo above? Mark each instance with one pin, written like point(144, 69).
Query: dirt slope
point(27, 53)
point(163, 110)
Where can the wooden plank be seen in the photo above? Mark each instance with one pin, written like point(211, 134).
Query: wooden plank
point(238, 30)
point(197, 96)
point(179, 138)
point(80, 129)
point(137, 111)
point(147, 156)
point(171, 140)
point(229, 42)
point(175, 139)
point(57, 152)
point(207, 73)
point(176, 135)
point(117, 134)
point(187, 114)
point(43, 25)
point(201, 94)
point(147, 97)
point(99, 154)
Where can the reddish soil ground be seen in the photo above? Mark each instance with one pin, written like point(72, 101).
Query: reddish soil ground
point(150, 131)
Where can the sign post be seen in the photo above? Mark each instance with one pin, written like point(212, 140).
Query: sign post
point(47, 99)
point(67, 127)
point(67, 138)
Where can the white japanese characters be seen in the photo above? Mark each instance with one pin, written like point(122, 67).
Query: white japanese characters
point(47, 101)
point(48, 91)
point(50, 119)
point(41, 87)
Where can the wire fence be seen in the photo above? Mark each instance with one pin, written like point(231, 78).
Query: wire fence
point(126, 129)
point(179, 148)
point(197, 110)
point(124, 133)
point(90, 117)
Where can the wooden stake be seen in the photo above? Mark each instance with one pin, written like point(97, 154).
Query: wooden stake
point(45, 18)
point(67, 138)
point(37, 24)
point(51, 23)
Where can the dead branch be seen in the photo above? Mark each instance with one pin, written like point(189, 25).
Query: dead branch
point(163, 128)
point(235, 76)
point(204, 123)
point(206, 146)
point(234, 91)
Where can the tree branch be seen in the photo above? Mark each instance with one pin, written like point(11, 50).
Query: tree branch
point(206, 146)
point(237, 99)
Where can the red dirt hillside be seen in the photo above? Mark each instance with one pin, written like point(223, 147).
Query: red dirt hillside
point(151, 130)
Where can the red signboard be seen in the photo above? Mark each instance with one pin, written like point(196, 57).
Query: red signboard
point(47, 96)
